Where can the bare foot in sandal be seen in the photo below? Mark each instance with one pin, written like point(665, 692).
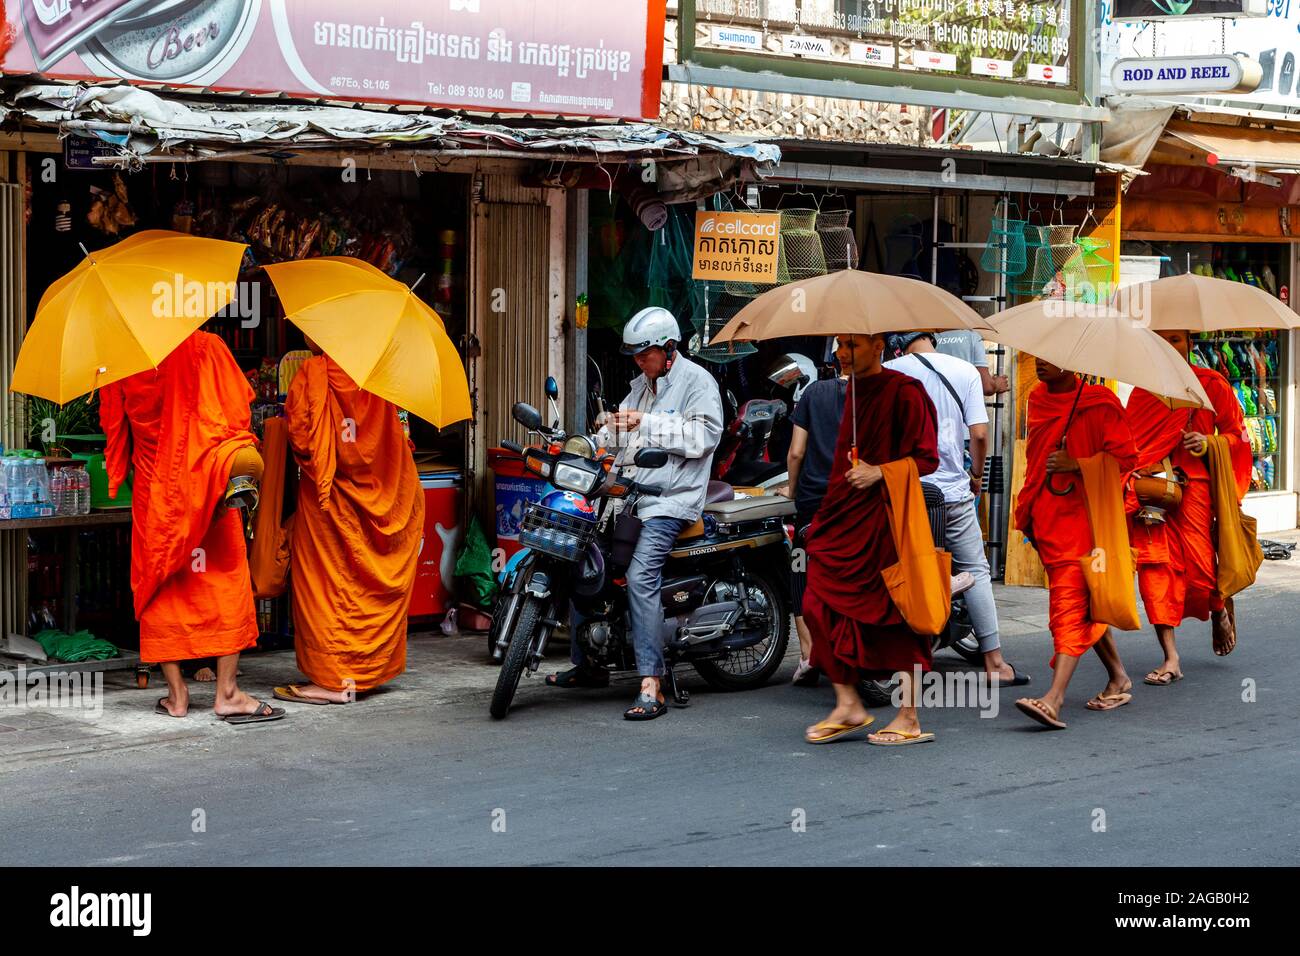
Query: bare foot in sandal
point(1163, 676)
point(1041, 710)
point(1112, 695)
point(1223, 630)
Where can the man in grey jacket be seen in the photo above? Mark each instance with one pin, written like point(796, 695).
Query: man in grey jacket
point(674, 405)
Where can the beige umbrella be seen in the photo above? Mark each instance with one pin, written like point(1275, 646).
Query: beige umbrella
point(850, 302)
point(1204, 304)
point(1098, 340)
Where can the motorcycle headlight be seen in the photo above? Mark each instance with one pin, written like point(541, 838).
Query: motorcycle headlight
point(580, 445)
point(575, 479)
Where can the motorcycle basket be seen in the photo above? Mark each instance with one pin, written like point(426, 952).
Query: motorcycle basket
point(556, 533)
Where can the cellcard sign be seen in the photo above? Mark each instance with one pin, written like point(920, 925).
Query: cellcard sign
point(525, 56)
point(736, 245)
point(1024, 42)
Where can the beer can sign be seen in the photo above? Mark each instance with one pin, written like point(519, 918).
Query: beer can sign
point(737, 246)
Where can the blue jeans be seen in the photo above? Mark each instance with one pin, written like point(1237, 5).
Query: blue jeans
point(645, 606)
point(965, 542)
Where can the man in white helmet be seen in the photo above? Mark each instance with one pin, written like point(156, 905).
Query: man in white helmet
point(674, 405)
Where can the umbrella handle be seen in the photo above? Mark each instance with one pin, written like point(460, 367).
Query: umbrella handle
point(1052, 475)
point(1060, 494)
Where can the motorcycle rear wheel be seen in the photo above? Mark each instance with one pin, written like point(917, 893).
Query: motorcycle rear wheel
point(524, 636)
point(772, 654)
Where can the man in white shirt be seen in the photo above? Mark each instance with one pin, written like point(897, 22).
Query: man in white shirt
point(955, 388)
point(964, 344)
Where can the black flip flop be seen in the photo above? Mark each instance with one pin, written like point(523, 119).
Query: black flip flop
point(262, 714)
point(578, 677)
point(161, 708)
point(651, 707)
point(1019, 680)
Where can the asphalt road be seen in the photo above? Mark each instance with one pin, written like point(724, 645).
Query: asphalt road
point(1189, 774)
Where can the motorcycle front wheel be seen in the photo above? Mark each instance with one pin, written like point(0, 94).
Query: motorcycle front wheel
point(527, 627)
point(753, 666)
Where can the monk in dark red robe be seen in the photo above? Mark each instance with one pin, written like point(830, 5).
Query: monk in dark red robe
point(857, 632)
point(184, 427)
point(1052, 511)
point(1177, 566)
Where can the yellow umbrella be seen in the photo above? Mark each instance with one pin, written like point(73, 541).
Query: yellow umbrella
point(1203, 304)
point(378, 331)
point(123, 310)
point(1098, 340)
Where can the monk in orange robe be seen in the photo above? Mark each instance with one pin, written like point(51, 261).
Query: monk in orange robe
point(1177, 566)
point(355, 536)
point(184, 426)
point(1052, 511)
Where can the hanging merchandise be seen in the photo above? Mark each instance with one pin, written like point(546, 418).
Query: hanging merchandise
point(717, 307)
point(63, 216)
point(1005, 250)
point(839, 245)
point(804, 258)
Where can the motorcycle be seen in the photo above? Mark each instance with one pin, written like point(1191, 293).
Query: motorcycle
point(725, 584)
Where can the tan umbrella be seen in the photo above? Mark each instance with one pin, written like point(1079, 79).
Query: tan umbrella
point(1204, 304)
point(1098, 340)
point(850, 302)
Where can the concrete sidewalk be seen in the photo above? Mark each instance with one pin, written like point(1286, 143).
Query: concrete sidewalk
point(441, 672)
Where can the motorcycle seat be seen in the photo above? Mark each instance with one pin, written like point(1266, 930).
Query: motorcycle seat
point(751, 509)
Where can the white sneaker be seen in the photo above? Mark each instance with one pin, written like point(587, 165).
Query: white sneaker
point(961, 583)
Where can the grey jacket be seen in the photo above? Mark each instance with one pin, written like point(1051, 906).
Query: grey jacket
point(684, 418)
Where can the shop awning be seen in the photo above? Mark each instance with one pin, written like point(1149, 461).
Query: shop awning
point(1236, 145)
point(147, 127)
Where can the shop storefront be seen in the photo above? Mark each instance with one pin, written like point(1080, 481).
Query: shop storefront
point(474, 215)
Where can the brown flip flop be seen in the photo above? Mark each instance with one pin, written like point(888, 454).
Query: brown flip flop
point(290, 692)
point(161, 708)
point(1163, 678)
point(1033, 707)
point(1109, 701)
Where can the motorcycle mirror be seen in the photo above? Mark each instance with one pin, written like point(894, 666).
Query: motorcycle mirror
point(552, 389)
point(650, 458)
point(527, 416)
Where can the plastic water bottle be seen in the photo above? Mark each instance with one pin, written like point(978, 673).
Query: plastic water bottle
point(33, 487)
point(62, 498)
point(83, 490)
point(83, 487)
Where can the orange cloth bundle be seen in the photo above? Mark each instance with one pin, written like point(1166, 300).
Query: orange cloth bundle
point(920, 583)
point(1108, 570)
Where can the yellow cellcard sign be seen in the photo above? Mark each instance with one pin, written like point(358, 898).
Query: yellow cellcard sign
point(739, 246)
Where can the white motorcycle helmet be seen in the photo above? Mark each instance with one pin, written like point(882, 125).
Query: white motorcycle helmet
point(648, 328)
point(793, 371)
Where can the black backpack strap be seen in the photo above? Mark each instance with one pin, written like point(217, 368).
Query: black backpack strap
point(946, 384)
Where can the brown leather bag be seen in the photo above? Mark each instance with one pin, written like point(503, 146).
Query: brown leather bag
point(1165, 493)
